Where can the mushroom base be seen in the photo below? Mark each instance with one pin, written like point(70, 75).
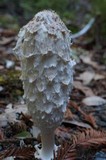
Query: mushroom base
point(46, 152)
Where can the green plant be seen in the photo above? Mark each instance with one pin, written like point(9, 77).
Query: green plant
point(32, 7)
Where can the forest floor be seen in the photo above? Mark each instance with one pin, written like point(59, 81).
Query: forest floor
point(84, 123)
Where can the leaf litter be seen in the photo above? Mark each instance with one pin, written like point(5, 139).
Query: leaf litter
point(83, 121)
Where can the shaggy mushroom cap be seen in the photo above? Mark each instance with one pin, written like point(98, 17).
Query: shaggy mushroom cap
point(43, 47)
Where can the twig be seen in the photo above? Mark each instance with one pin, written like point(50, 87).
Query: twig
point(84, 30)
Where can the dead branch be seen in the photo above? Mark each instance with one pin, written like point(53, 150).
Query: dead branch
point(84, 30)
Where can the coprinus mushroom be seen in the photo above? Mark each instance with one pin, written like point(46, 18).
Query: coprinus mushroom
point(43, 48)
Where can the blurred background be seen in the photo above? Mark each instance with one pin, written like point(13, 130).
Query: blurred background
point(75, 13)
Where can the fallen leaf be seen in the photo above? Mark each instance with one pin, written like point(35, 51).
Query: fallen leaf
point(87, 60)
point(99, 76)
point(86, 90)
point(6, 41)
point(94, 101)
point(86, 77)
point(76, 123)
point(68, 114)
point(23, 134)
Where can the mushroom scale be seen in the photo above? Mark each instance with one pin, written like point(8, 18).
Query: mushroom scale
point(43, 48)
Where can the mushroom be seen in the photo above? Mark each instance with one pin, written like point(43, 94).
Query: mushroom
point(43, 47)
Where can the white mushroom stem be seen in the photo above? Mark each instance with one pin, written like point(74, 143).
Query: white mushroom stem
point(47, 139)
point(48, 145)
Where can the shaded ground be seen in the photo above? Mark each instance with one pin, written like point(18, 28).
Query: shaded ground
point(86, 111)
point(89, 81)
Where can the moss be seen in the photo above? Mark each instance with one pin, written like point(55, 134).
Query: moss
point(9, 76)
point(12, 84)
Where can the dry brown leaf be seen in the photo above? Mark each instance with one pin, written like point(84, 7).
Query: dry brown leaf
point(86, 90)
point(68, 114)
point(94, 101)
point(90, 119)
